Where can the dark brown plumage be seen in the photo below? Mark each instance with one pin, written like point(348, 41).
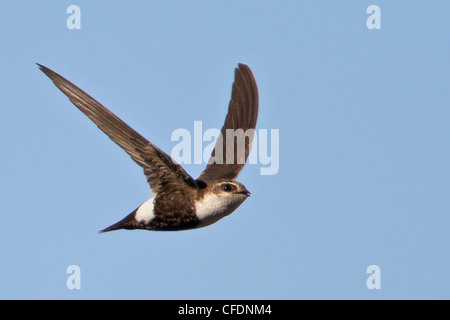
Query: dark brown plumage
point(242, 114)
point(159, 168)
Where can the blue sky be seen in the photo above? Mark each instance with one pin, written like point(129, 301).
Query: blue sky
point(364, 123)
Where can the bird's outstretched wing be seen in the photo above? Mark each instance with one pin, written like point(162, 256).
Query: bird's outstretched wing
point(159, 168)
point(242, 114)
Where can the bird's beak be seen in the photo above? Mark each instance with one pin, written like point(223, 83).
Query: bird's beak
point(245, 192)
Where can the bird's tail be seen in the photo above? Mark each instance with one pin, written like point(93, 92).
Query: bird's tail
point(129, 222)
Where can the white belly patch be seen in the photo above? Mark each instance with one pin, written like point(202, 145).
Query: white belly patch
point(145, 212)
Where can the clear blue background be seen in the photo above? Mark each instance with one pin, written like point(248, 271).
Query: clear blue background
point(364, 126)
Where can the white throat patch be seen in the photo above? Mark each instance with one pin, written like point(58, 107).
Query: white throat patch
point(213, 207)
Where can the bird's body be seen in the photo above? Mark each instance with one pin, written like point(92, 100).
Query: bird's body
point(180, 202)
point(196, 212)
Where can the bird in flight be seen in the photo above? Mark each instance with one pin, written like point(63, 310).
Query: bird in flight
point(180, 202)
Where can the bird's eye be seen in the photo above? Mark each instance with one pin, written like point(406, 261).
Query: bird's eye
point(228, 187)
